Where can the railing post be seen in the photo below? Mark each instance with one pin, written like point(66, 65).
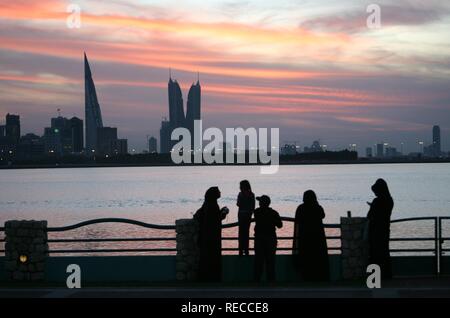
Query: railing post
point(26, 250)
point(438, 246)
point(354, 248)
point(187, 259)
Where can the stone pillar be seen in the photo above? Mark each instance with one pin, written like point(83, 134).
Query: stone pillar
point(354, 247)
point(26, 250)
point(187, 249)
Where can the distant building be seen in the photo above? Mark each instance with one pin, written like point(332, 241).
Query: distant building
point(315, 147)
point(119, 146)
point(93, 114)
point(380, 150)
point(105, 138)
point(152, 145)
point(437, 140)
point(288, 149)
point(176, 111)
point(76, 126)
point(57, 138)
point(369, 152)
point(391, 152)
point(164, 137)
point(176, 114)
point(12, 128)
point(193, 109)
point(64, 136)
point(31, 146)
point(434, 150)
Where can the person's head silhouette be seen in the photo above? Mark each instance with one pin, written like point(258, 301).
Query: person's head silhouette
point(264, 201)
point(212, 194)
point(380, 188)
point(309, 198)
point(244, 186)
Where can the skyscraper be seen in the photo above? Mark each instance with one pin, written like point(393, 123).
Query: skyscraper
point(12, 128)
point(152, 145)
point(380, 150)
point(164, 137)
point(193, 108)
point(176, 112)
point(76, 125)
point(93, 115)
point(437, 140)
point(105, 138)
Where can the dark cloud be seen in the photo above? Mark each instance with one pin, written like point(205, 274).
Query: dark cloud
point(391, 15)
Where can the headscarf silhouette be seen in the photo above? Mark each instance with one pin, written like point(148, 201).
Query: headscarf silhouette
point(310, 198)
point(310, 245)
point(379, 218)
point(380, 188)
point(210, 217)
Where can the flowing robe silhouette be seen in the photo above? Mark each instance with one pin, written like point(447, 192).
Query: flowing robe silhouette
point(310, 245)
point(210, 217)
point(379, 218)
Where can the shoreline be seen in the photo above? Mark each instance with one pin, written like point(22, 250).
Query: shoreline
point(286, 163)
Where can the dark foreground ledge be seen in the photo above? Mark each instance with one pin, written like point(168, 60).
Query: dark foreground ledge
point(396, 288)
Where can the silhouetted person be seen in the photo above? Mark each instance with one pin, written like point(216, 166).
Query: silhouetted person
point(310, 244)
point(210, 218)
point(379, 218)
point(246, 204)
point(266, 221)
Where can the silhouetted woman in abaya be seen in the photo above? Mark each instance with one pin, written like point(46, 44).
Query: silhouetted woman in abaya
point(310, 245)
point(210, 218)
point(379, 218)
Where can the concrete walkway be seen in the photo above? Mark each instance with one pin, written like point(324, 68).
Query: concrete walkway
point(397, 288)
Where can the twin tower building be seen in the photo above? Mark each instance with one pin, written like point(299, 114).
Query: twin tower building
point(103, 140)
point(176, 113)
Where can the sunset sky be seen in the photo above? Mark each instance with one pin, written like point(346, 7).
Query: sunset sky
point(312, 68)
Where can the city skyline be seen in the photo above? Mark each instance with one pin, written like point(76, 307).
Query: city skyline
point(313, 70)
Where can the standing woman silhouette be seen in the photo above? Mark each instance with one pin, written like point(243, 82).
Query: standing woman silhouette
point(379, 218)
point(210, 217)
point(246, 204)
point(310, 244)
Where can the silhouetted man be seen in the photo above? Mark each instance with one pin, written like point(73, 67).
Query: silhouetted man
point(266, 221)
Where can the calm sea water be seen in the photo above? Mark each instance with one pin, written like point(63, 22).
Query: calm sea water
point(163, 194)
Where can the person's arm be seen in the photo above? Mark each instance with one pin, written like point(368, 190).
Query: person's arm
point(373, 208)
point(238, 202)
point(322, 213)
point(278, 222)
point(223, 212)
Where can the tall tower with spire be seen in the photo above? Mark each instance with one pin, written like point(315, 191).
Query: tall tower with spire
point(176, 112)
point(193, 111)
point(93, 114)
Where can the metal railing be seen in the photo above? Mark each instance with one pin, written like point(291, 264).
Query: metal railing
point(281, 238)
point(2, 240)
point(104, 240)
point(438, 250)
point(442, 240)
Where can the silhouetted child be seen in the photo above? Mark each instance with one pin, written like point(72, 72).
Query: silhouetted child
point(266, 221)
point(379, 218)
point(246, 204)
